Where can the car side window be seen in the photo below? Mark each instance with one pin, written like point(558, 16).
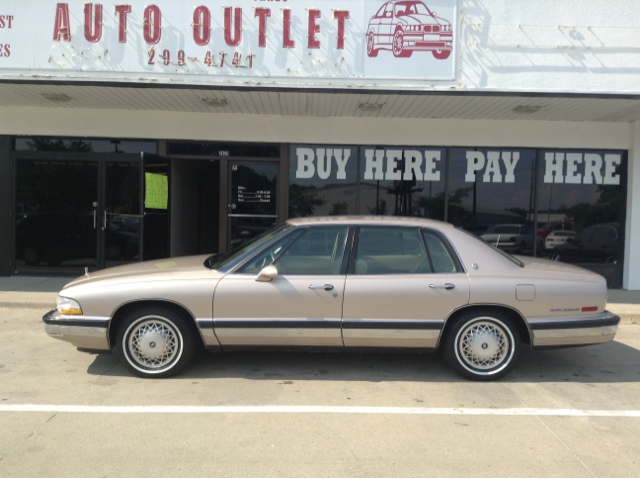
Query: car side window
point(318, 251)
point(441, 257)
point(388, 11)
point(391, 251)
point(380, 13)
point(268, 255)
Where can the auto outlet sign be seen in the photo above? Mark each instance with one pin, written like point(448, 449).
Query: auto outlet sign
point(367, 43)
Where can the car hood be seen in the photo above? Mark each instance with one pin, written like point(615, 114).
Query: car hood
point(185, 267)
point(546, 268)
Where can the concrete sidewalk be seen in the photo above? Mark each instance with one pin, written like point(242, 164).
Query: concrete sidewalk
point(40, 293)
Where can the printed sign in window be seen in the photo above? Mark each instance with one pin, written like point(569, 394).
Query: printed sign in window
point(156, 191)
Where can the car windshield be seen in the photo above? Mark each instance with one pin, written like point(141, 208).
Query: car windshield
point(227, 261)
point(505, 230)
point(411, 8)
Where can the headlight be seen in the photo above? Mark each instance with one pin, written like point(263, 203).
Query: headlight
point(68, 305)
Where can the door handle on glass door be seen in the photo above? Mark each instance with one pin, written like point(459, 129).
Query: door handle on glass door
point(442, 286)
point(326, 287)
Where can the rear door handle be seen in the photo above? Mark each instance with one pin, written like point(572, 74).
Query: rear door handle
point(326, 287)
point(442, 286)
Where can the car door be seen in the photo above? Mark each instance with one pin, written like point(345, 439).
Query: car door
point(401, 286)
point(301, 307)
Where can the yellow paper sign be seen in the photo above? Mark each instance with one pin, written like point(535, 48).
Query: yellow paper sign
point(157, 191)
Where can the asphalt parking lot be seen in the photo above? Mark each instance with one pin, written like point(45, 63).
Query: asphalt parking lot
point(322, 414)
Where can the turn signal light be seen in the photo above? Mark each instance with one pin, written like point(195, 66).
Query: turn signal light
point(589, 308)
point(68, 305)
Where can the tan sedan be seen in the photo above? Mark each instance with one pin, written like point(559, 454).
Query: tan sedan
point(365, 283)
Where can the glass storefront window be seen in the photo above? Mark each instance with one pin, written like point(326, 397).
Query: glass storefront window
point(402, 181)
point(491, 194)
point(82, 145)
point(581, 204)
point(322, 180)
point(231, 150)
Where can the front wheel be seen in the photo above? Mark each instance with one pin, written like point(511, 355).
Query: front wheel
point(482, 347)
point(371, 45)
point(398, 46)
point(154, 343)
point(441, 54)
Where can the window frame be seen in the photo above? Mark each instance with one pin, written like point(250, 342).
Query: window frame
point(419, 229)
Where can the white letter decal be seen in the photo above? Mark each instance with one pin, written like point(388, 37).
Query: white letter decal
point(412, 165)
point(592, 167)
point(553, 168)
point(573, 177)
point(393, 165)
point(306, 168)
point(324, 163)
point(493, 168)
point(610, 163)
point(430, 173)
point(371, 164)
point(475, 162)
point(510, 165)
point(342, 157)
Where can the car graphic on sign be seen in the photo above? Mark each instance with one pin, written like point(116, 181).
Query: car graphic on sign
point(408, 26)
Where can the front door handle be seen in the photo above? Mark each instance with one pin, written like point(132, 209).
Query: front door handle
point(442, 286)
point(326, 287)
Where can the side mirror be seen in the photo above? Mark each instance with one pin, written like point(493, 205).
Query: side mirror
point(268, 273)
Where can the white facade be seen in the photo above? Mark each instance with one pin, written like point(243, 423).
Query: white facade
point(575, 63)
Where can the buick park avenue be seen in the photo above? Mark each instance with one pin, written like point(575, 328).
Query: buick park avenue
point(339, 283)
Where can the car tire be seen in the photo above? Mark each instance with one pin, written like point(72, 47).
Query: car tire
point(611, 259)
point(482, 345)
point(31, 256)
point(154, 343)
point(441, 54)
point(398, 46)
point(371, 43)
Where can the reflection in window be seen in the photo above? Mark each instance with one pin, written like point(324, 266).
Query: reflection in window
point(402, 182)
point(582, 191)
point(322, 181)
point(491, 194)
point(83, 145)
point(318, 251)
point(391, 251)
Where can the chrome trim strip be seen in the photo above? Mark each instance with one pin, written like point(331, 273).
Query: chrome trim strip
point(574, 336)
point(575, 322)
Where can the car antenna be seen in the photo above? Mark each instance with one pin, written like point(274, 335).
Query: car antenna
point(86, 271)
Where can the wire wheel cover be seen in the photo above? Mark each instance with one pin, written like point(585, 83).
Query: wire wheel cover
point(153, 343)
point(398, 43)
point(483, 345)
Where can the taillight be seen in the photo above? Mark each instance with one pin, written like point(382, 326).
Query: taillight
point(549, 240)
point(589, 308)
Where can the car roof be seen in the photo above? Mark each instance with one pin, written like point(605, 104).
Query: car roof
point(369, 220)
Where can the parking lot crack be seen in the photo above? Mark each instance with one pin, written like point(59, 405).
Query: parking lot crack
point(29, 435)
point(550, 431)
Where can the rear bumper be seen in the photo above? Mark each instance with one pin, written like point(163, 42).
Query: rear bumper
point(579, 331)
point(81, 331)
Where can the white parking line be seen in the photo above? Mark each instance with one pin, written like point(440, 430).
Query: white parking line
point(314, 409)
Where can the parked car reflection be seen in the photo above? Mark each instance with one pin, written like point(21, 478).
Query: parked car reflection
point(599, 243)
point(511, 238)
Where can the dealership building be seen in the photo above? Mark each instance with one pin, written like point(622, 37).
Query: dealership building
point(140, 131)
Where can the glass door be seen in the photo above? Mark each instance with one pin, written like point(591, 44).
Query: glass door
point(57, 215)
point(252, 206)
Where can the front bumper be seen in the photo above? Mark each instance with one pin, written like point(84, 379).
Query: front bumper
point(576, 331)
point(81, 331)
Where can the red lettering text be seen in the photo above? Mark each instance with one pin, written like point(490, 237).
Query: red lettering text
point(235, 40)
point(341, 16)
point(122, 11)
point(61, 30)
point(263, 13)
point(95, 35)
point(286, 29)
point(201, 25)
point(313, 29)
point(181, 57)
point(152, 25)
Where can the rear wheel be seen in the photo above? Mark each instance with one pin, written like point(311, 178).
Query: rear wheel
point(482, 346)
point(154, 343)
point(31, 256)
point(371, 45)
